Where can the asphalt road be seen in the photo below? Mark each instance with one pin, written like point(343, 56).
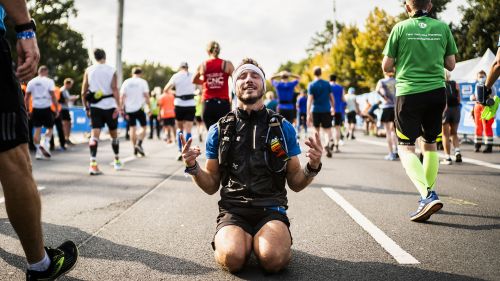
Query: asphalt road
point(150, 222)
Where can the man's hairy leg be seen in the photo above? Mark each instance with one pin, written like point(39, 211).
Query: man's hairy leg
point(232, 247)
point(272, 246)
point(22, 200)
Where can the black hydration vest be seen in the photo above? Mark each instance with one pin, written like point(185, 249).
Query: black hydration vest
point(252, 159)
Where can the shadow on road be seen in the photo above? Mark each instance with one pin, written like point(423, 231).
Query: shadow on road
point(305, 266)
point(100, 248)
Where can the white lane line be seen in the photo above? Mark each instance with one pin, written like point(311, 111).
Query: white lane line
point(2, 199)
point(400, 255)
point(464, 159)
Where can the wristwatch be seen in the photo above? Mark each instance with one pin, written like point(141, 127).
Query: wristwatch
point(26, 26)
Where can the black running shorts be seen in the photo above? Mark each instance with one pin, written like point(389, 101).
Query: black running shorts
point(168, 122)
point(139, 115)
point(42, 117)
point(351, 117)
point(185, 113)
point(337, 119)
point(65, 116)
point(288, 114)
point(213, 110)
point(420, 115)
point(250, 219)
point(323, 119)
point(387, 115)
point(451, 115)
point(100, 117)
point(13, 116)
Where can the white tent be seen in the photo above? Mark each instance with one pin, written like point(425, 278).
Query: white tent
point(466, 71)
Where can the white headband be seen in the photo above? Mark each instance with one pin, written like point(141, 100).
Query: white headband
point(237, 72)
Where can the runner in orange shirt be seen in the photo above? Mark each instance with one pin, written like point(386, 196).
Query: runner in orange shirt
point(167, 115)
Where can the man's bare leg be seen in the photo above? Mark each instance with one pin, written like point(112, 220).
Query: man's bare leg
point(272, 246)
point(22, 200)
point(232, 247)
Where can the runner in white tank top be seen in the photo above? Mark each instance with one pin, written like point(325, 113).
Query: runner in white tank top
point(102, 105)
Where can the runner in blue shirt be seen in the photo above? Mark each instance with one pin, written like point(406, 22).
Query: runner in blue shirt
point(302, 112)
point(320, 108)
point(286, 94)
point(338, 118)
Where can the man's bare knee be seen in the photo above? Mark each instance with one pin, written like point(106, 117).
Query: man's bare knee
point(231, 260)
point(274, 261)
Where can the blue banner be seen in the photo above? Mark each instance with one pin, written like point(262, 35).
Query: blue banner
point(81, 123)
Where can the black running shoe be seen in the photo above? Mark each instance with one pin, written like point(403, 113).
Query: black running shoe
point(62, 260)
point(458, 157)
point(328, 151)
point(140, 150)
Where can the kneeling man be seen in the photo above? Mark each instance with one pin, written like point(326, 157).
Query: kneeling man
point(252, 153)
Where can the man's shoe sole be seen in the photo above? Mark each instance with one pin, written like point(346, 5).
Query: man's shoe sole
point(428, 211)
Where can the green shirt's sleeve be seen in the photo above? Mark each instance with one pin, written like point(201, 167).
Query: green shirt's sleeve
point(391, 46)
point(451, 46)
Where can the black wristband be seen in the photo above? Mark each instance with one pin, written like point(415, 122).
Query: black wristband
point(31, 25)
point(314, 170)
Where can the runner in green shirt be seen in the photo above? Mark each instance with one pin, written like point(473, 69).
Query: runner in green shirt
point(419, 49)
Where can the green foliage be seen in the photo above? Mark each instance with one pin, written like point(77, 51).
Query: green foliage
point(321, 42)
point(61, 48)
point(369, 45)
point(156, 74)
point(343, 57)
point(478, 29)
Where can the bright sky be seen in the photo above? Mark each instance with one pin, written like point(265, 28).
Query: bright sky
point(171, 31)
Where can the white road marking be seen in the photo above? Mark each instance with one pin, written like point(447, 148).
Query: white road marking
point(464, 159)
point(2, 199)
point(400, 255)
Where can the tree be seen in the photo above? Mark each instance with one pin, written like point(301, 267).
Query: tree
point(369, 45)
point(342, 58)
point(478, 29)
point(61, 48)
point(156, 74)
point(321, 42)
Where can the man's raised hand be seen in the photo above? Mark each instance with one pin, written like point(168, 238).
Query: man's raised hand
point(315, 150)
point(189, 154)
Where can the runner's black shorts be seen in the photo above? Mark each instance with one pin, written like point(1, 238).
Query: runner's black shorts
point(168, 122)
point(323, 119)
point(351, 117)
point(213, 110)
point(198, 119)
point(100, 117)
point(288, 114)
point(250, 219)
point(451, 115)
point(13, 115)
point(420, 114)
point(337, 119)
point(387, 115)
point(65, 116)
point(42, 117)
point(185, 113)
point(138, 115)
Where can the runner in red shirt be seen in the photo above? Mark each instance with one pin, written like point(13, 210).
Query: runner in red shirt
point(213, 75)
